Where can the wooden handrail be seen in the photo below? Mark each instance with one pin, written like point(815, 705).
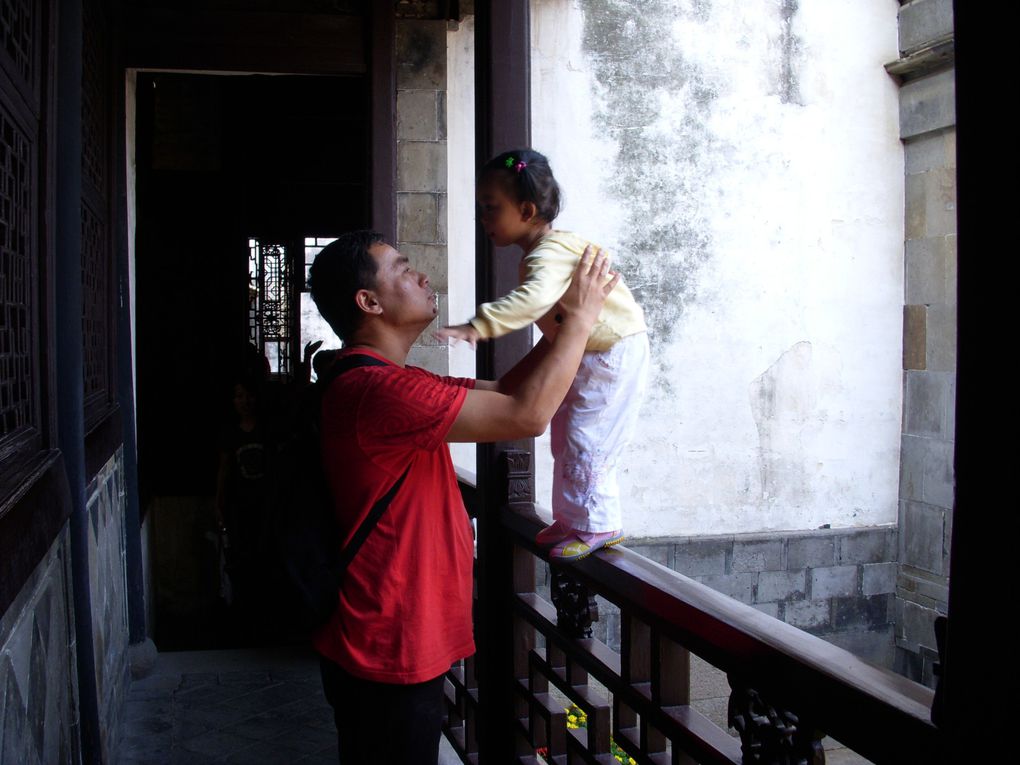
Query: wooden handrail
point(879, 714)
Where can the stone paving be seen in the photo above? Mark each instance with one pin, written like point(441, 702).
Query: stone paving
point(250, 706)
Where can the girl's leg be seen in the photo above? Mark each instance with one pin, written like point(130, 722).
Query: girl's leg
point(561, 527)
point(600, 414)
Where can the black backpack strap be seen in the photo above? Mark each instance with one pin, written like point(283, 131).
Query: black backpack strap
point(345, 364)
point(341, 365)
point(370, 522)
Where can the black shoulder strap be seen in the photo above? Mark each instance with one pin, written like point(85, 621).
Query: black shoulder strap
point(367, 525)
point(345, 364)
point(341, 365)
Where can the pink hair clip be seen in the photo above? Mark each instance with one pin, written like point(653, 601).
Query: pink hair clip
point(521, 164)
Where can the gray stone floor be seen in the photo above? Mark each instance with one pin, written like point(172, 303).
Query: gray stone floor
point(250, 707)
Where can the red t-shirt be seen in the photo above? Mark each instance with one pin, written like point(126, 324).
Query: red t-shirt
point(405, 600)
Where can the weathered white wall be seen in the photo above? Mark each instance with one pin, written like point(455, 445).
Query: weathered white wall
point(742, 161)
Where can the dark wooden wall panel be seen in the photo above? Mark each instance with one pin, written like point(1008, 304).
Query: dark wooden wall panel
point(297, 43)
point(35, 501)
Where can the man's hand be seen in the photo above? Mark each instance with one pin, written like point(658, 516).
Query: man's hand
point(458, 332)
point(543, 377)
point(590, 286)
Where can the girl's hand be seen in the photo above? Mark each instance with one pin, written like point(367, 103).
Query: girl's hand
point(458, 332)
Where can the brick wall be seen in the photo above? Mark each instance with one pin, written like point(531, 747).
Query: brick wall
point(422, 168)
point(834, 583)
point(927, 129)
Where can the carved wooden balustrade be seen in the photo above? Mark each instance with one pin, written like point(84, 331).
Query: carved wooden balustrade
point(788, 688)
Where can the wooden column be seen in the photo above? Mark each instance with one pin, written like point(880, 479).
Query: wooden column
point(384, 131)
point(981, 572)
point(503, 121)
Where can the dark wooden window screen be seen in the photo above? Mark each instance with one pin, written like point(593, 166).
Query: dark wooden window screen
point(20, 408)
point(97, 253)
point(19, 21)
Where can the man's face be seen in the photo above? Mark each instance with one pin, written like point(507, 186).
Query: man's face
point(403, 293)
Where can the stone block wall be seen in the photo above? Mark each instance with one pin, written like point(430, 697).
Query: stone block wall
point(834, 583)
point(108, 584)
point(422, 168)
point(38, 680)
point(927, 129)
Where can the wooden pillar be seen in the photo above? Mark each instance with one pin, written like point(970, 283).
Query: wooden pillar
point(981, 565)
point(69, 360)
point(384, 131)
point(502, 121)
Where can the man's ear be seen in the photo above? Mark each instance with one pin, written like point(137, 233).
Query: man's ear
point(366, 301)
point(528, 211)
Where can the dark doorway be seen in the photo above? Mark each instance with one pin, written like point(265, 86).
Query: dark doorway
point(224, 161)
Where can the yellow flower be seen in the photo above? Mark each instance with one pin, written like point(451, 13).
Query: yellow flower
point(572, 718)
point(630, 761)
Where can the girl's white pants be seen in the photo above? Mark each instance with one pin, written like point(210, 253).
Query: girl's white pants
point(590, 431)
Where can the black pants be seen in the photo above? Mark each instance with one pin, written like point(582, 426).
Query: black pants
point(381, 722)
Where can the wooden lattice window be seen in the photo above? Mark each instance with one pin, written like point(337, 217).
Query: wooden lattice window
point(20, 398)
point(96, 332)
point(97, 267)
point(17, 279)
point(18, 20)
point(270, 304)
point(94, 96)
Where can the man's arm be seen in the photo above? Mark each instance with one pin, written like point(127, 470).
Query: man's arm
point(523, 405)
point(508, 383)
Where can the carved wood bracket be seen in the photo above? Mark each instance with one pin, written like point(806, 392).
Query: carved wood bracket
point(770, 735)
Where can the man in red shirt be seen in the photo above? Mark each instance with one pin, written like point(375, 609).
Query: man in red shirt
point(404, 612)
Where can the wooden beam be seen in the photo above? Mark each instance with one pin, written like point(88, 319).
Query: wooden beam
point(383, 170)
point(294, 43)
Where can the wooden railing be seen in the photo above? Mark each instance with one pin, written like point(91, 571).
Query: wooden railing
point(788, 688)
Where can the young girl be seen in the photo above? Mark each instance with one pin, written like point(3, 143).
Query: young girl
point(519, 200)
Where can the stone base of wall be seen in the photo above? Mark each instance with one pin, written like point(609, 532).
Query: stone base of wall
point(108, 585)
point(38, 685)
point(921, 597)
point(838, 584)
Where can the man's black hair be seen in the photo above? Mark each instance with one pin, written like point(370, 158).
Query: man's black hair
point(341, 269)
point(526, 177)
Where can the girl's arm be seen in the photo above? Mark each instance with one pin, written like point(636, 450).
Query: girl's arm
point(537, 385)
point(548, 270)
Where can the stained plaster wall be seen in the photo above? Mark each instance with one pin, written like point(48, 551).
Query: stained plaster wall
point(742, 160)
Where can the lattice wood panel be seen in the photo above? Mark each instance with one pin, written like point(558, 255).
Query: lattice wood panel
point(97, 264)
point(94, 96)
point(17, 27)
point(96, 333)
point(16, 277)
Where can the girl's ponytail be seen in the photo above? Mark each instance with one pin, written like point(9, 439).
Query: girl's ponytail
point(526, 176)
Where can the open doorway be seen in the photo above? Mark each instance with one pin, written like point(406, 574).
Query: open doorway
point(240, 179)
